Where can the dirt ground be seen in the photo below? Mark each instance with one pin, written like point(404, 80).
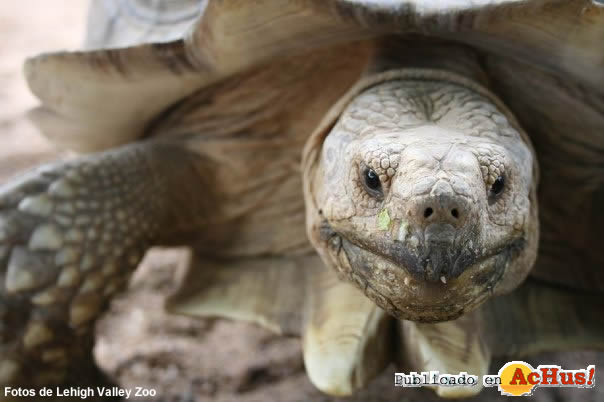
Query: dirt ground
point(182, 359)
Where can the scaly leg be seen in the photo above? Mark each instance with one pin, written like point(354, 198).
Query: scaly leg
point(71, 233)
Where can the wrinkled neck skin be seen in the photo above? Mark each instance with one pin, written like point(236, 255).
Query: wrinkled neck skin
point(421, 189)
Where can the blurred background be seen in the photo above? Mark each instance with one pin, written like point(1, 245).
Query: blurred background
point(184, 360)
point(28, 27)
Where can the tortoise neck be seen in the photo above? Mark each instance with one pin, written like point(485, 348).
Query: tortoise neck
point(427, 53)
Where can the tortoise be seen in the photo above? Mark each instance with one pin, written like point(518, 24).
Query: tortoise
point(363, 173)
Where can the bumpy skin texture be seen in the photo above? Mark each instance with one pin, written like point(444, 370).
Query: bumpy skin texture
point(452, 219)
point(71, 234)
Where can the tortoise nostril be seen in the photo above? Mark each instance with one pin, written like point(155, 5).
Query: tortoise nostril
point(440, 208)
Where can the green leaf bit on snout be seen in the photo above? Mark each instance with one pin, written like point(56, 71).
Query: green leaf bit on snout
point(384, 220)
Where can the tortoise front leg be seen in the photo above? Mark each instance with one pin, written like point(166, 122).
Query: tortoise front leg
point(347, 338)
point(450, 347)
point(71, 233)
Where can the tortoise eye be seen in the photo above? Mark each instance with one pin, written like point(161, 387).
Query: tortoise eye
point(498, 186)
point(372, 182)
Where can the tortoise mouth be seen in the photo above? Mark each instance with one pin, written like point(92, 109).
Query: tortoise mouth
point(393, 287)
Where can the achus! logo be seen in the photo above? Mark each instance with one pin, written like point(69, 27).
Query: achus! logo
point(518, 378)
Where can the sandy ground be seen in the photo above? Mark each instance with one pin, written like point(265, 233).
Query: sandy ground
point(182, 359)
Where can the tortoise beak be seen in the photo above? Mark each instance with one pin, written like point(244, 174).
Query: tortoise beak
point(443, 254)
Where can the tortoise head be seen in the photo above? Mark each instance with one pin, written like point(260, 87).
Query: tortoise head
point(423, 195)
